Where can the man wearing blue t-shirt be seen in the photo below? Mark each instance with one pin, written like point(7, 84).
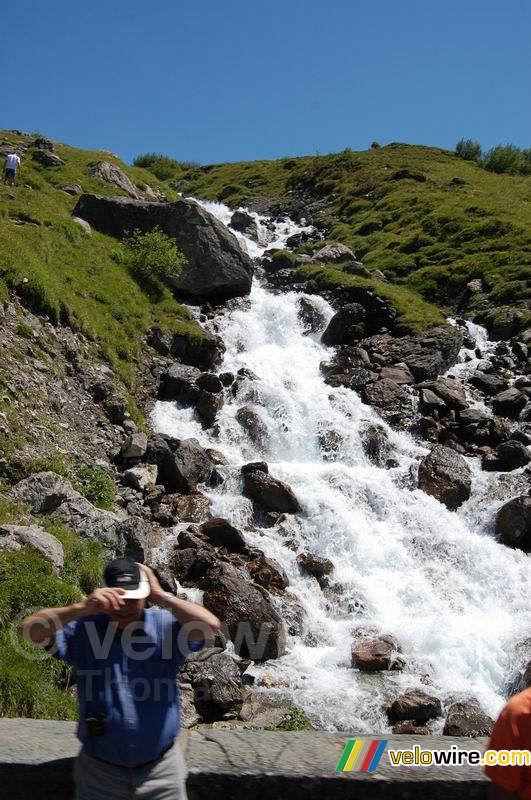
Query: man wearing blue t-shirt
point(126, 658)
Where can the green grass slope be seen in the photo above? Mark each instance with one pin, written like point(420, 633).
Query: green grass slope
point(72, 276)
point(401, 210)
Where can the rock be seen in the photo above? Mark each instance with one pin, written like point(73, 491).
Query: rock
point(409, 728)
point(513, 523)
point(431, 401)
point(473, 416)
point(135, 446)
point(43, 143)
point(509, 403)
point(426, 355)
point(13, 537)
point(315, 565)
point(72, 188)
point(179, 383)
point(217, 685)
point(205, 353)
point(186, 466)
point(269, 493)
point(391, 400)
point(346, 326)
point(210, 383)
point(220, 533)
point(254, 626)
point(445, 475)
point(372, 652)
point(208, 406)
point(189, 507)
point(47, 159)
point(252, 424)
point(333, 253)
point(451, 391)
point(502, 322)
point(261, 466)
point(113, 175)
point(400, 375)
point(414, 705)
point(406, 174)
point(512, 455)
point(375, 443)
point(488, 384)
point(267, 573)
point(329, 444)
point(134, 538)
point(465, 718)
point(244, 223)
point(142, 477)
point(311, 319)
point(82, 224)
point(216, 268)
point(116, 407)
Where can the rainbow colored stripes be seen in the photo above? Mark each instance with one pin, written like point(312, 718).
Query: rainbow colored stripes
point(361, 755)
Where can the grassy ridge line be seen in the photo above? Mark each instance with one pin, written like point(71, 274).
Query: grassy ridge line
point(75, 277)
point(397, 207)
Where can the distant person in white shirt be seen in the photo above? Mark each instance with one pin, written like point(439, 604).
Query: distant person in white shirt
point(10, 170)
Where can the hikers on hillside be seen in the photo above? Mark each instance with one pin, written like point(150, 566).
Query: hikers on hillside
point(10, 168)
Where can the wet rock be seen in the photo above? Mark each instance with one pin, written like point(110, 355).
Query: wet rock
point(488, 384)
point(426, 356)
point(254, 626)
point(142, 476)
point(269, 493)
point(179, 383)
point(266, 572)
point(209, 382)
point(252, 424)
point(220, 533)
point(409, 728)
point(182, 467)
point(451, 391)
point(513, 523)
point(415, 705)
point(244, 223)
point(13, 537)
point(312, 320)
point(329, 444)
point(391, 400)
point(372, 651)
point(465, 718)
point(445, 475)
point(208, 406)
point(189, 507)
point(216, 266)
point(261, 466)
point(430, 401)
point(346, 326)
point(375, 443)
point(512, 455)
point(217, 685)
point(135, 446)
point(509, 403)
point(315, 565)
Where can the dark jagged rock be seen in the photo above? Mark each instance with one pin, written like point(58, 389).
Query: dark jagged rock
point(261, 466)
point(311, 318)
point(252, 424)
point(216, 267)
point(267, 573)
point(451, 391)
point(346, 326)
point(269, 493)
point(375, 443)
point(244, 223)
point(182, 464)
point(372, 652)
point(392, 401)
point(179, 383)
point(113, 175)
point(217, 685)
point(254, 626)
point(488, 384)
point(427, 355)
point(208, 406)
point(513, 523)
point(466, 718)
point(509, 403)
point(512, 455)
point(315, 565)
point(414, 705)
point(445, 475)
point(220, 533)
point(47, 159)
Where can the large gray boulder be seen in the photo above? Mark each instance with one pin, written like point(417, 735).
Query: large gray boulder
point(427, 355)
point(466, 718)
point(346, 326)
point(186, 467)
point(414, 705)
point(445, 475)
point(513, 523)
point(113, 175)
point(216, 268)
point(217, 685)
point(269, 493)
point(392, 401)
point(12, 537)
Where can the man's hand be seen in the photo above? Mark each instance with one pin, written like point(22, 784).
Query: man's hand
point(157, 592)
point(104, 600)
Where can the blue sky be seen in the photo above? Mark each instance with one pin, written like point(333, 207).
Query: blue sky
point(247, 79)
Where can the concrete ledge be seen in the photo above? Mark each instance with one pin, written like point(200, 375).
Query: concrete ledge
point(36, 759)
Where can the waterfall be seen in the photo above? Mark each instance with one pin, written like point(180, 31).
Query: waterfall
point(438, 581)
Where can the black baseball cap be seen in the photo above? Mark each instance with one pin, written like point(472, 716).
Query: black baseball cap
point(124, 573)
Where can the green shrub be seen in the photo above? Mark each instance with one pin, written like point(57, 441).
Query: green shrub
point(375, 145)
point(153, 255)
point(83, 557)
point(506, 158)
point(94, 483)
point(23, 329)
point(161, 166)
point(294, 720)
point(468, 149)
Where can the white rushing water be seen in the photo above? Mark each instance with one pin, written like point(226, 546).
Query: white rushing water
point(456, 600)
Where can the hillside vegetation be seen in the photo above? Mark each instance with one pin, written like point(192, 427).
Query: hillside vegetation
point(69, 275)
point(428, 219)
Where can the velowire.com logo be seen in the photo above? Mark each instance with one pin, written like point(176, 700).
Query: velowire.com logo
point(361, 755)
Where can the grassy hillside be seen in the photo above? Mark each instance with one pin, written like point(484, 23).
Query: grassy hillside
point(70, 275)
point(401, 210)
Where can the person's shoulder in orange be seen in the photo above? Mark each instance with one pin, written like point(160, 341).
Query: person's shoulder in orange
point(512, 731)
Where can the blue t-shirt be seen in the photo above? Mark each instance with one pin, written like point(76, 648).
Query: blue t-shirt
point(130, 678)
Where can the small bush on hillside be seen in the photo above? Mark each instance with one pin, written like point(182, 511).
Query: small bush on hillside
point(507, 158)
point(161, 166)
point(153, 255)
point(93, 483)
point(468, 149)
point(375, 145)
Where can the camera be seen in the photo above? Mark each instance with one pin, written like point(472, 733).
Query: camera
point(96, 724)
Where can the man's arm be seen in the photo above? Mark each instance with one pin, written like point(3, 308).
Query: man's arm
point(185, 613)
point(40, 627)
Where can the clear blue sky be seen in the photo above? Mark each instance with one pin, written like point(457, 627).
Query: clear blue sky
point(246, 79)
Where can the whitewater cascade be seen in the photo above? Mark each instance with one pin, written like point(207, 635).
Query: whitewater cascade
point(457, 601)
